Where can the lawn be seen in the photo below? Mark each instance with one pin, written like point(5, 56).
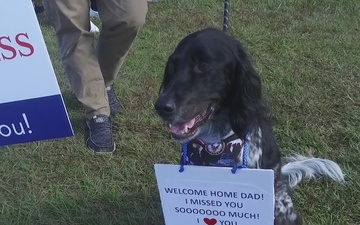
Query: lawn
point(307, 54)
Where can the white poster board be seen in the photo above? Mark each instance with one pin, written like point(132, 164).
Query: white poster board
point(215, 196)
point(31, 105)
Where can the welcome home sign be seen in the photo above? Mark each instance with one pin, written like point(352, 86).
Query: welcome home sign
point(202, 195)
point(31, 105)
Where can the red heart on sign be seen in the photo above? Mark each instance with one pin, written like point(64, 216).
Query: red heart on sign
point(210, 221)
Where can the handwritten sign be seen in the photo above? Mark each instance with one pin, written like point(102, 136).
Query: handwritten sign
point(215, 196)
point(31, 106)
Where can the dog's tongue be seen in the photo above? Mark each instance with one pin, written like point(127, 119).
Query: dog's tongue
point(182, 128)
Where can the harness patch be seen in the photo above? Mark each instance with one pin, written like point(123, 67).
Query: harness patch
point(221, 154)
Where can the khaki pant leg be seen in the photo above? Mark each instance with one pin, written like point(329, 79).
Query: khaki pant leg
point(121, 21)
point(77, 51)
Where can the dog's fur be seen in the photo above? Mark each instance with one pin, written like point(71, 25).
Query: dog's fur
point(209, 74)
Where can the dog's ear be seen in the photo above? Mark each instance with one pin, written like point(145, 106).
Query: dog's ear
point(246, 108)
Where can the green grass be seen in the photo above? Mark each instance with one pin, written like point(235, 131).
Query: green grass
point(307, 53)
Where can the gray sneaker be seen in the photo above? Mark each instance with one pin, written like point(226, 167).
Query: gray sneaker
point(100, 134)
point(114, 102)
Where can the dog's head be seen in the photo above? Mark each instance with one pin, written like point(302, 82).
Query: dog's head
point(208, 78)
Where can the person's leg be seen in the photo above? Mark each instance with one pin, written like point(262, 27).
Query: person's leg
point(121, 21)
point(77, 51)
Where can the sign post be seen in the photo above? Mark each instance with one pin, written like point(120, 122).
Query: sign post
point(31, 105)
point(214, 196)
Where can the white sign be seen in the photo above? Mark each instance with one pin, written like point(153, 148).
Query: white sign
point(31, 106)
point(215, 196)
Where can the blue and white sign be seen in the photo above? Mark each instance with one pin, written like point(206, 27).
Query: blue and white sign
point(31, 105)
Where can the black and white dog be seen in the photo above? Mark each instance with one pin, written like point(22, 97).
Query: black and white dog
point(211, 97)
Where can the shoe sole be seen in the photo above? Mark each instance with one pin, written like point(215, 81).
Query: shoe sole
point(101, 153)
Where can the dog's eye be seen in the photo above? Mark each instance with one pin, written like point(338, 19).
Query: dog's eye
point(202, 67)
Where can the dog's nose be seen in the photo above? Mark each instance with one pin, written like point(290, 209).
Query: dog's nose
point(165, 107)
